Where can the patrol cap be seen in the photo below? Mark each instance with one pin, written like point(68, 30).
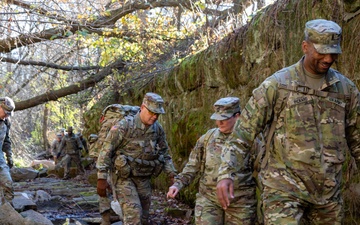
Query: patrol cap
point(225, 108)
point(8, 105)
point(154, 103)
point(325, 35)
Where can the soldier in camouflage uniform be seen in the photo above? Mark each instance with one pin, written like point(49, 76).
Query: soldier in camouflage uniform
point(134, 151)
point(7, 107)
point(70, 148)
point(315, 110)
point(84, 143)
point(206, 158)
point(54, 146)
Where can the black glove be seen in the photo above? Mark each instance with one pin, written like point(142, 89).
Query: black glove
point(10, 163)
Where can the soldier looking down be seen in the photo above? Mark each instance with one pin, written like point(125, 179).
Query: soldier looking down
point(312, 112)
point(137, 145)
point(205, 159)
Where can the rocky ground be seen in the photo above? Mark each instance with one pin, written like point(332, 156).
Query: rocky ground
point(75, 201)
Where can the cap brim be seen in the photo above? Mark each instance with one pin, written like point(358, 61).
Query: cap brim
point(328, 49)
point(224, 116)
point(9, 113)
point(157, 110)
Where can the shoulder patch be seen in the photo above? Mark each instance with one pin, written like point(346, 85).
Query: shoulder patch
point(115, 127)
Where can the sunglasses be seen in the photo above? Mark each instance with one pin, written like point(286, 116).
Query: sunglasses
point(152, 113)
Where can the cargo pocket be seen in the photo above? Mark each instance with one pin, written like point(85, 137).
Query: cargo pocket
point(122, 167)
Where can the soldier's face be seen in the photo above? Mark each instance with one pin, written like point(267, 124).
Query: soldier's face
point(226, 126)
point(147, 117)
point(315, 62)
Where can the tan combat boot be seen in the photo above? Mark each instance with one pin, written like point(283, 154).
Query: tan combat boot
point(105, 218)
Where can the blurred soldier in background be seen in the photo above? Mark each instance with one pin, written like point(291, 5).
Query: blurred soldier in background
point(84, 143)
point(7, 107)
point(54, 147)
point(70, 148)
point(62, 132)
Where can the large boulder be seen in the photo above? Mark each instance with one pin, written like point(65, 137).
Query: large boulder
point(23, 174)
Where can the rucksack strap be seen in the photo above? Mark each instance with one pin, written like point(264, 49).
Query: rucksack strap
point(284, 91)
point(203, 149)
point(279, 105)
point(309, 91)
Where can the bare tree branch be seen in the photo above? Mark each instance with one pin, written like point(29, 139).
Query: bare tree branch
point(49, 65)
point(53, 95)
point(70, 27)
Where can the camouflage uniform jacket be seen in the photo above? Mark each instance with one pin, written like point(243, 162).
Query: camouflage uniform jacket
point(132, 138)
point(311, 138)
point(54, 147)
point(70, 145)
point(5, 141)
point(212, 144)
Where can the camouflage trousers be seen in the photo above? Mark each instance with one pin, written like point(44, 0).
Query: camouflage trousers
point(242, 210)
point(6, 183)
point(104, 204)
point(134, 196)
point(77, 161)
point(282, 208)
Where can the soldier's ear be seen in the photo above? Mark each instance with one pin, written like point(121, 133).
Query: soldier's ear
point(305, 47)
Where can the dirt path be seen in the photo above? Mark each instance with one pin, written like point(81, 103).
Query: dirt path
point(76, 200)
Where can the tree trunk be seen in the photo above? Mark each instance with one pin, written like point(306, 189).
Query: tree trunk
point(45, 128)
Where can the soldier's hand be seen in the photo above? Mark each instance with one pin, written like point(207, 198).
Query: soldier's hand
point(224, 190)
point(101, 187)
point(173, 190)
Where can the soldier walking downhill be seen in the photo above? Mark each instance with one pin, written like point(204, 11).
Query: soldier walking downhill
point(70, 149)
point(205, 159)
point(55, 146)
point(313, 114)
point(7, 107)
point(138, 145)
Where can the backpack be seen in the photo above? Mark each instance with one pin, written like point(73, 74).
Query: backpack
point(109, 117)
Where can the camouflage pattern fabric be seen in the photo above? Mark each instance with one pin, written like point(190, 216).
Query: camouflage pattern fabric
point(225, 108)
point(5, 177)
point(130, 137)
point(6, 146)
point(312, 135)
point(282, 207)
point(242, 209)
point(109, 117)
point(71, 145)
point(54, 147)
point(154, 103)
point(104, 204)
point(77, 161)
point(134, 195)
point(325, 35)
